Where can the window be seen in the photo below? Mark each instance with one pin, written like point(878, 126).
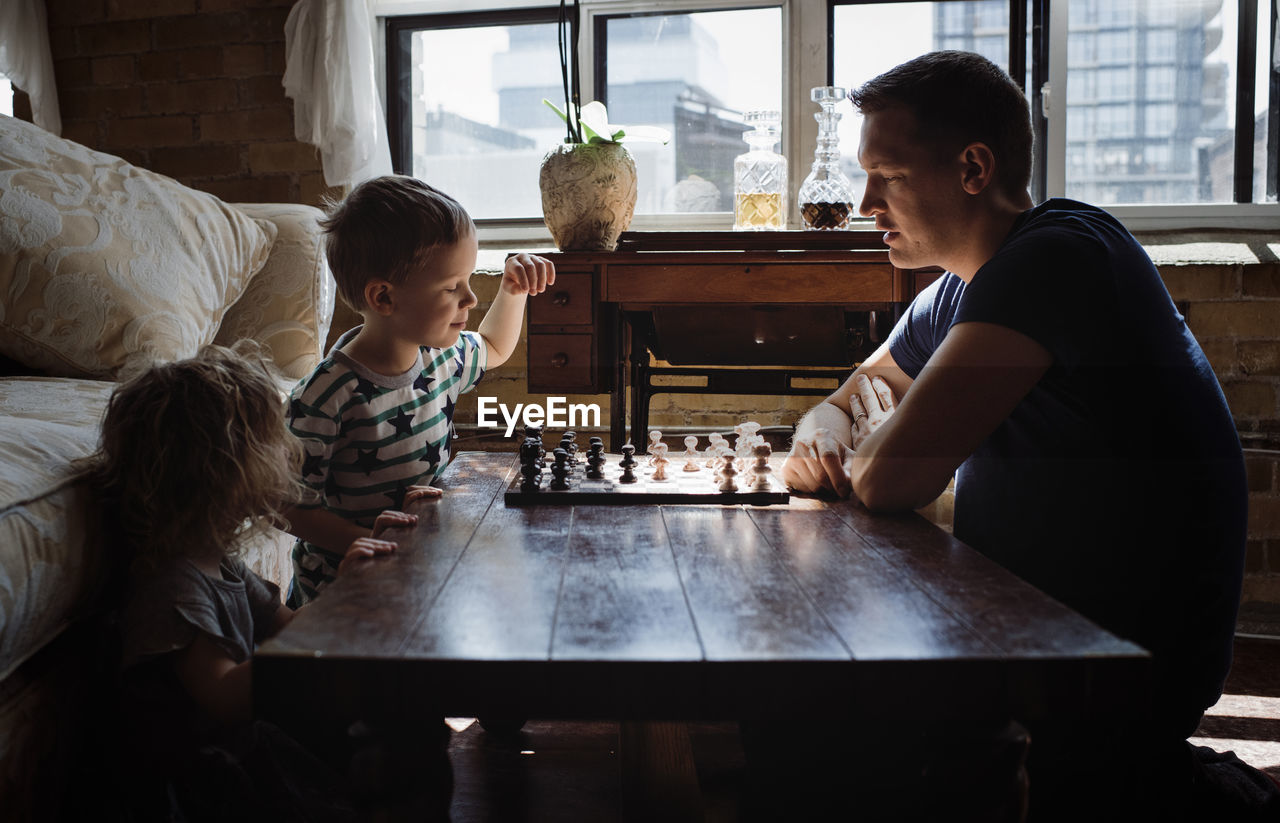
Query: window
point(1149, 119)
point(6, 96)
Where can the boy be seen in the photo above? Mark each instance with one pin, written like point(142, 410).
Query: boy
point(376, 414)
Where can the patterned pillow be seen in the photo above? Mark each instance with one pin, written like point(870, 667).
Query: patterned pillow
point(104, 265)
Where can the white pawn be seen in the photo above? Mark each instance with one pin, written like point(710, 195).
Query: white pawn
point(655, 437)
point(762, 469)
point(728, 473)
point(713, 447)
point(691, 453)
point(660, 461)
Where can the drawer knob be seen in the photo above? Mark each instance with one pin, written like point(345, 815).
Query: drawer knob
point(560, 298)
point(559, 360)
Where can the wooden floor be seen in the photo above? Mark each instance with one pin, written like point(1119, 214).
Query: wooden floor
point(557, 772)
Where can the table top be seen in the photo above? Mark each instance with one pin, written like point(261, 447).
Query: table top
point(679, 611)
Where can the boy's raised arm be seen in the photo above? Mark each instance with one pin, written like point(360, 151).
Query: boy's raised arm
point(523, 275)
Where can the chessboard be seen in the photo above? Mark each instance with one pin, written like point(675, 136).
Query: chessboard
point(679, 487)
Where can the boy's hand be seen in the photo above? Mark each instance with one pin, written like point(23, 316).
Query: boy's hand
point(363, 548)
point(527, 273)
point(394, 519)
point(421, 493)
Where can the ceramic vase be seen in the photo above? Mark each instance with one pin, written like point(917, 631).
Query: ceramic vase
point(588, 194)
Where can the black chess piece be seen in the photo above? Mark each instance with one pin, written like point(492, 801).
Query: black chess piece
point(560, 471)
point(628, 464)
point(595, 459)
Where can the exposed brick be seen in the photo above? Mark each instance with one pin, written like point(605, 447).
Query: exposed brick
point(197, 161)
point(1262, 280)
point(114, 71)
point(150, 131)
point(199, 30)
point(138, 157)
point(73, 73)
point(202, 62)
point(1250, 398)
point(234, 5)
point(1222, 356)
point(62, 13)
point(1255, 556)
point(263, 189)
point(1260, 357)
point(285, 156)
point(265, 90)
point(1205, 282)
point(1264, 516)
point(84, 132)
point(248, 125)
point(1260, 469)
point(129, 37)
point(312, 190)
point(264, 25)
point(196, 97)
point(64, 42)
point(99, 103)
point(148, 9)
point(276, 62)
point(244, 61)
point(158, 65)
point(1234, 318)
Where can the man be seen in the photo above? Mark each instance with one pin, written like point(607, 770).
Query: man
point(1050, 372)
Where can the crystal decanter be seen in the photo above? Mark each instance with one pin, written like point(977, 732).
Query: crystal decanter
point(826, 195)
point(760, 177)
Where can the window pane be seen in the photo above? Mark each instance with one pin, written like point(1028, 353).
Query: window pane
point(6, 96)
point(980, 26)
point(480, 129)
point(1158, 126)
point(694, 75)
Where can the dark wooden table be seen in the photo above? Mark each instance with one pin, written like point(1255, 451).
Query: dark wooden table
point(667, 613)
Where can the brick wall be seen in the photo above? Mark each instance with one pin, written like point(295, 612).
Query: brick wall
point(188, 88)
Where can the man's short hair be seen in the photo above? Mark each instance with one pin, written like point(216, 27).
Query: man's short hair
point(958, 98)
point(385, 228)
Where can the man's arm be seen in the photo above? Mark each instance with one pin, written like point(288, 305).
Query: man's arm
point(969, 386)
point(823, 437)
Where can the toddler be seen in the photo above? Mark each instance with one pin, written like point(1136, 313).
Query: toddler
point(375, 416)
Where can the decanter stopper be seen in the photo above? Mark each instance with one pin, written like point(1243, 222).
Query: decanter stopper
point(826, 195)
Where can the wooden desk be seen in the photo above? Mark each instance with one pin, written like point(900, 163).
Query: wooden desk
point(680, 612)
point(579, 340)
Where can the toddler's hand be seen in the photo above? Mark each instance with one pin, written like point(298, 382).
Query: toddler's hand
point(527, 274)
point(422, 493)
point(363, 548)
point(391, 519)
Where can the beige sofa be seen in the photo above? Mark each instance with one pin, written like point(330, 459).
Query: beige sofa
point(103, 267)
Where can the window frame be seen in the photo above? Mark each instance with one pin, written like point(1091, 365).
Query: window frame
point(807, 35)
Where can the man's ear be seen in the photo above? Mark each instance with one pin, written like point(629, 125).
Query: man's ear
point(377, 296)
point(978, 166)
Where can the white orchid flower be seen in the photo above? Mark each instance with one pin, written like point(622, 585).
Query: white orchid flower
point(594, 122)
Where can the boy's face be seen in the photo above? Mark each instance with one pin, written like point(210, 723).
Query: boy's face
point(432, 304)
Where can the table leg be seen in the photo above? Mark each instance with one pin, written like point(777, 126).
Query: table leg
point(659, 779)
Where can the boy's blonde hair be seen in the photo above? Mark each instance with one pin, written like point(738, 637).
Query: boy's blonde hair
point(386, 227)
point(191, 450)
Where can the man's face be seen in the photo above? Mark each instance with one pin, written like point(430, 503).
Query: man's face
point(913, 192)
point(432, 304)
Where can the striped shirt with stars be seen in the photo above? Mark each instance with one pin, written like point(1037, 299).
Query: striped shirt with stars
point(368, 437)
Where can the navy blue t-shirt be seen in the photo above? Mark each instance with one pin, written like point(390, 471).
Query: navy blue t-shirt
point(1117, 484)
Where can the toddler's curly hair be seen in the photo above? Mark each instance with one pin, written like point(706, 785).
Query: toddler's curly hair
point(195, 456)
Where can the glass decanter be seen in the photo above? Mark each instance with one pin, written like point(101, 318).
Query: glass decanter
point(760, 177)
point(826, 195)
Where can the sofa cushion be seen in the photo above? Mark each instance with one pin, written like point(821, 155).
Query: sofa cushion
point(47, 578)
point(104, 264)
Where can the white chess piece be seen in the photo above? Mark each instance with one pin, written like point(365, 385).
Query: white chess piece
point(660, 461)
point(713, 447)
point(655, 437)
point(728, 473)
point(691, 453)
point(762, 470)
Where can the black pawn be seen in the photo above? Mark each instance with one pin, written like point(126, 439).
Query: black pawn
point(595, 459)
point(560, 471)
point(628, 464)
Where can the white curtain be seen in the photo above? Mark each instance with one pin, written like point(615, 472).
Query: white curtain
point(329, 73)
point(26, 60)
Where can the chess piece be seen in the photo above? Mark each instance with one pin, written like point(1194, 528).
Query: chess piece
point(691, 453)
point(628, 464)
point(660, 461)
point(762, 469)
point(568, 442)
point(530, 465)
point(655, 437)
point(560, 471)
point(595, 459)
point(713, 447)
point(728, 472)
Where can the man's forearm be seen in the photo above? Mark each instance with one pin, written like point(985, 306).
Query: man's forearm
point(324, 528)
point(500, 327)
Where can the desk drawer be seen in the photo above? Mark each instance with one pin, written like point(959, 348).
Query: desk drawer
point(562, 363)
point(567, 303)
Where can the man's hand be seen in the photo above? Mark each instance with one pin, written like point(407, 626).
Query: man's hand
point(421, 493)
point(363, 548)
point(819, 462)
point(526, 273)
point(870, 406)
